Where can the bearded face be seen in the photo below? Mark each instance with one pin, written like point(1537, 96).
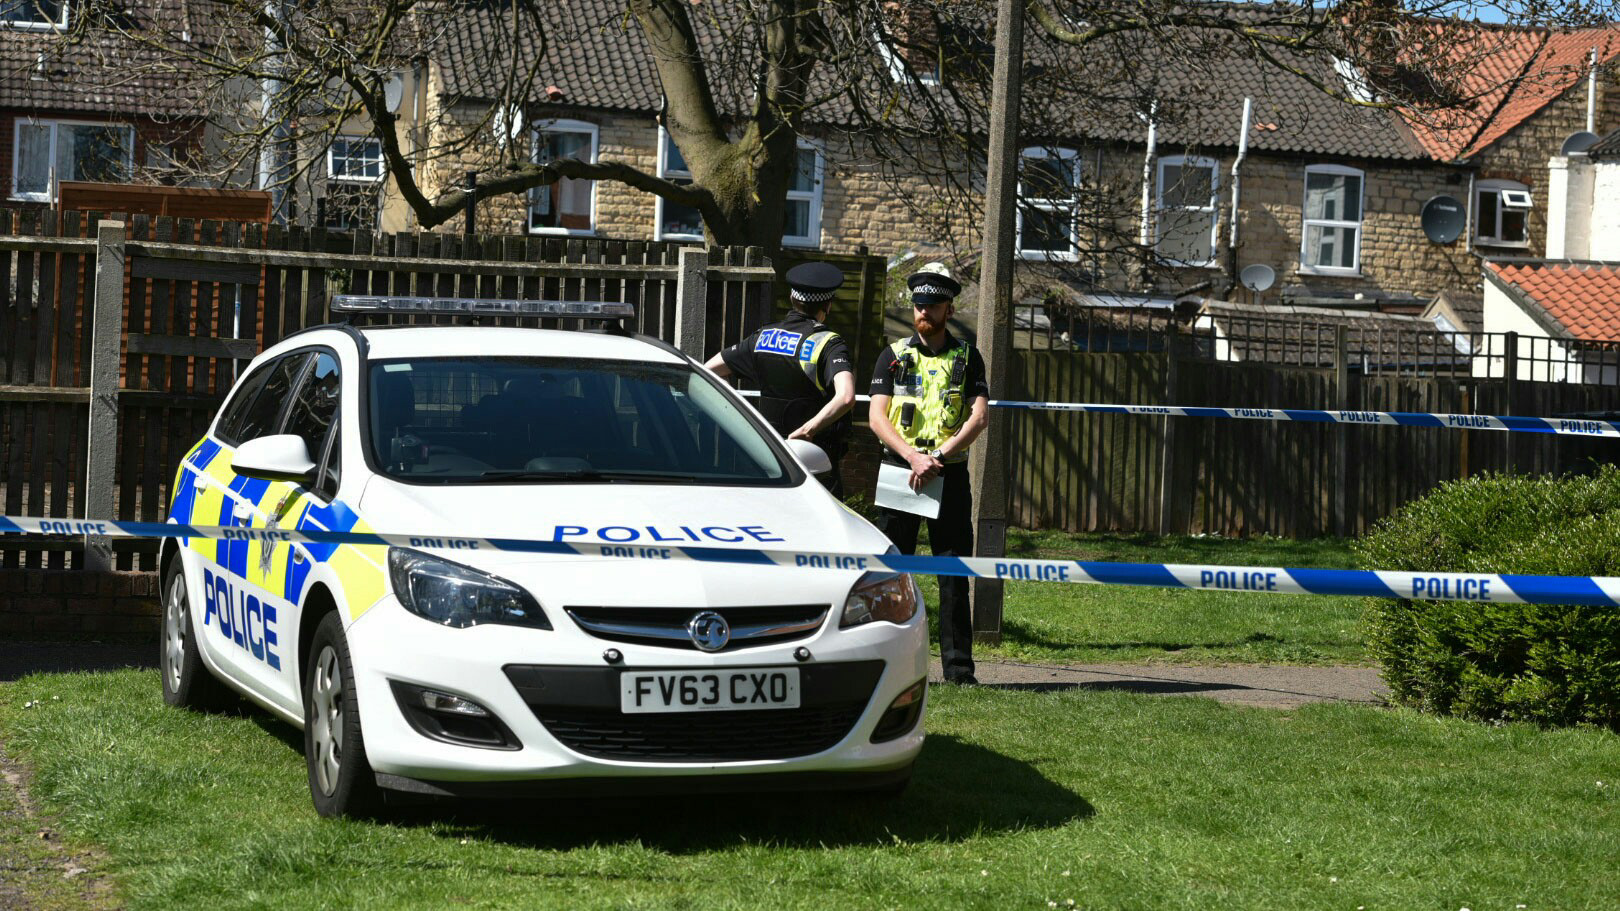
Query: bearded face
point(923, 318)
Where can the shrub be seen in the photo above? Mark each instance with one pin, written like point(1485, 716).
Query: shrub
point(1549, 664)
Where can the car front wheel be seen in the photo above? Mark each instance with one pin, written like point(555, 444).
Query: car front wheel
point(187, 682)
point(340, 778)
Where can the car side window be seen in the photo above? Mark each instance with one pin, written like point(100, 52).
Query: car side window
point(314, 406)
point(230, 422)
point(263, 417)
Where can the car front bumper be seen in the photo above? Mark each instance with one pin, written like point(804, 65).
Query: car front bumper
point(557, 695)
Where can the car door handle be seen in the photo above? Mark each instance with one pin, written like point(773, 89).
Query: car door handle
point(198, 484)
point(298, 555)
point(241, 510)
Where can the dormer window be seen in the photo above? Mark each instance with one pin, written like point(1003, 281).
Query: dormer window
point(908, 43)
point(1501, 213)
point(34, 14)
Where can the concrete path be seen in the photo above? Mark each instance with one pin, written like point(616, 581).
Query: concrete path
point(1266, 686)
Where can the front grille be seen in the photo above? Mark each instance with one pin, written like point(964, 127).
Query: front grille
point(702, 736)
point(666, 626)
point(580, 707)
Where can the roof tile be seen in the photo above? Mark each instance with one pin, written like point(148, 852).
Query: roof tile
point(1583, 298)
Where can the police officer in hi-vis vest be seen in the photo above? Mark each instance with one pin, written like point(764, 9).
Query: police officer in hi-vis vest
point(805, 378)
point(930, 400)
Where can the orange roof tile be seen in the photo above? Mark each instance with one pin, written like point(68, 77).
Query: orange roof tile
point(1584, 298)
point(1504, 76)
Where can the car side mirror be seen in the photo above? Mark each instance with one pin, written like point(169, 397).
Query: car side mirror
point(278, 457)
point(811, 456)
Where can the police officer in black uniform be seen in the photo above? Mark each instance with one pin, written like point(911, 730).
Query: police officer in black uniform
point(930, 401)
point(805, 378)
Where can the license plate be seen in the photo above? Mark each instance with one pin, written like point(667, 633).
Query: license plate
point(710, 690)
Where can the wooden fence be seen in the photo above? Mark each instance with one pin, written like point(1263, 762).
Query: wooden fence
point(1099, 472)
point(196, 298)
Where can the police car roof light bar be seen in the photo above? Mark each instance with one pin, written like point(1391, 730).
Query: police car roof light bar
point(369, 303)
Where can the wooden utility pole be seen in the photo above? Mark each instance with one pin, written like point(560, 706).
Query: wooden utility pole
point(989, 456)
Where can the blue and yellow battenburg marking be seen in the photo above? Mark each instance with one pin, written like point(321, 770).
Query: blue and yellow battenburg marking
point(1597, 591)
point(207, 487)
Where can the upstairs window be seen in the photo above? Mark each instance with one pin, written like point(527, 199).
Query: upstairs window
point(47, 152)
point(569, 205)
point(675, 221)
point(34, 14)
point(1048, 222)
point(1332, 225)
point(1501, 213)
point(802, 218)
point(1187, 210)
point(354, 168)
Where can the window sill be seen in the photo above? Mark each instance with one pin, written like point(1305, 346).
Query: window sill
point(1505, 244)
point(680, 238)
point(1042, 256)
point(563, 232)
point(1176, 264)
point(1329, 273)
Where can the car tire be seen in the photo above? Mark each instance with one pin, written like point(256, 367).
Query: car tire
point(187, 681)
point(340, 778)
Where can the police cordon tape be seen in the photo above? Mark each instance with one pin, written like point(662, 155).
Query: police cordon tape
point(1435, 586)
point(1583, 427)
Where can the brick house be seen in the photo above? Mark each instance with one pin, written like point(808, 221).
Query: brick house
point(96, 111)
point(1331, 196)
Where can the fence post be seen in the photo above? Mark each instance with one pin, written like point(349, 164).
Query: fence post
point(1341, 442)
point(691, 301)
point(1510, 379)
point(1168, 436)
point(101, 442)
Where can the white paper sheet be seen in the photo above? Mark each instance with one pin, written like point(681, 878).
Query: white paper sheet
point(894, 492)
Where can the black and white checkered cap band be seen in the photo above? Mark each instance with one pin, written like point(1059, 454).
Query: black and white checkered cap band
point(935, 290)
point(811, 297)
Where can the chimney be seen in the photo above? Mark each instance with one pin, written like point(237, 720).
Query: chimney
point(1570, 182)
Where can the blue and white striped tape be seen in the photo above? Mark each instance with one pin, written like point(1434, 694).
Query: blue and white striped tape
point(1483, 587)
point(1580, 427)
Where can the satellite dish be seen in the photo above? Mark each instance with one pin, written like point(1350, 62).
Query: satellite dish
point(1578, 142)
point(1257, 277)
point(393, 92)
point(1443, 218)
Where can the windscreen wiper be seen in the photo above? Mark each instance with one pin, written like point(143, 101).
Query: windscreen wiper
point(583, 474)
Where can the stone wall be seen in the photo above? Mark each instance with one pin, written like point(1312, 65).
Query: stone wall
point(70, 601)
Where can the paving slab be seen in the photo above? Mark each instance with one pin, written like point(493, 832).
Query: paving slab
point(1262, 685)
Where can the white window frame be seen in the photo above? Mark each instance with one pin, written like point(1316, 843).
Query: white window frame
point(38, 25)
point(664, 171)
point(900, 69)
point(331, 157)
point(566, 126)
point(52, 181)
point(813, 197)
point(1184, 162)
point(1522, 201)
point(1306, 223)
point(1054, 206)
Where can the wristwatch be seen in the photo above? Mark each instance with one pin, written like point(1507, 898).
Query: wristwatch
point(936, 453)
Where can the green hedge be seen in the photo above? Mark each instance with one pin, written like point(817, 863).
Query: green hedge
point(1553, 665)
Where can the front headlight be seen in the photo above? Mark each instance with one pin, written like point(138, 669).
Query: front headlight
point(457, 595)
point(882, 596)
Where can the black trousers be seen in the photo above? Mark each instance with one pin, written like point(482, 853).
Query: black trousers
point(834, 480)
point(951, 535)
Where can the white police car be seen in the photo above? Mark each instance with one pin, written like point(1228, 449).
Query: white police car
point(492, 672)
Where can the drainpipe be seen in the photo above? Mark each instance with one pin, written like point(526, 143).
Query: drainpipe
point(1237, 184)
point(1591, 94)
point(1145, 236)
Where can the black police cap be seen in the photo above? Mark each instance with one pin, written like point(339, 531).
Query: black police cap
point(930, 287)
point(814, 283)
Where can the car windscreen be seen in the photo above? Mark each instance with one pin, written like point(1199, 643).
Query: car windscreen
point(560, 420)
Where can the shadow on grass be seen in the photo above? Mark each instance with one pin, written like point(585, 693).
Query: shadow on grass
point(951, 798)
point(21, 657)
point(1015, 633)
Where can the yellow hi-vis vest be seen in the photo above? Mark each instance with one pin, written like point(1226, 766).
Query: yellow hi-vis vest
point(932, 384)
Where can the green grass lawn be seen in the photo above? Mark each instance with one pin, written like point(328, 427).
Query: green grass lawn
point(1061, 623)
point(1022, 799)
